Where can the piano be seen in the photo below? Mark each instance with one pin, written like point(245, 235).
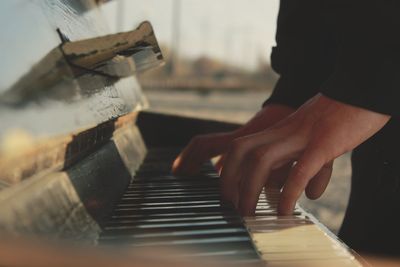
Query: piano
point(82, 160)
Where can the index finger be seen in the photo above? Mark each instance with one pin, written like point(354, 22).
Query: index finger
point(181, 160)
point(192, 156)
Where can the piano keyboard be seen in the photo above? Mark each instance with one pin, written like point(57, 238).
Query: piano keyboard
point(185, 214)
point(297, 241)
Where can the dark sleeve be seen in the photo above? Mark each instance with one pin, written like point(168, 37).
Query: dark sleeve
point(367, 70)
point(304, 54)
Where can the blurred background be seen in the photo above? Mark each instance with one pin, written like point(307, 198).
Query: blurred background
point(217, 66)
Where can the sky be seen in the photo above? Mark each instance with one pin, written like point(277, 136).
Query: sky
point(239, 32)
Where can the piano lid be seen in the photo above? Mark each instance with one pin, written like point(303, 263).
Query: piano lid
point(63, 71)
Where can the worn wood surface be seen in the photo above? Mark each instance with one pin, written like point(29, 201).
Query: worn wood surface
point(47, 206)
point(72, 203)
point(89, 53)
point(59, 75)
point(57, 153)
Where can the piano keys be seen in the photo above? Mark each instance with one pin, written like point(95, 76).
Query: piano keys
point(159, 209)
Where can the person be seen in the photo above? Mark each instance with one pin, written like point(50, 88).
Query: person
point(338, 90)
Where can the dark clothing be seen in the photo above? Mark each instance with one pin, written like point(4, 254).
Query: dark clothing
point(372, 220)
point(349, 50)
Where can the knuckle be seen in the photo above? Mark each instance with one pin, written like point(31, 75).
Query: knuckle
point(272, 150)
point(260, 155)
point(256, 156)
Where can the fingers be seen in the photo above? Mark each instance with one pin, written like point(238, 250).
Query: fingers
point(318, 184)
point(260, 163)
point(252, 160)
point(254, 180)
point(307, 167)
point(278, 176)
point(181, 163)
point(231, 173)
point(200, 149)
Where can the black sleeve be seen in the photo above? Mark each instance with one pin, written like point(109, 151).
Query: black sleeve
point(367, 70)
point(347, 50)
point(304, 54)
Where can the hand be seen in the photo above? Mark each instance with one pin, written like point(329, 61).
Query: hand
point(204, 147)
point(311, 138)
point(200, 149)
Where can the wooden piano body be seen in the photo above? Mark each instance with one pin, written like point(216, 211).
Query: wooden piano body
point(82, 160)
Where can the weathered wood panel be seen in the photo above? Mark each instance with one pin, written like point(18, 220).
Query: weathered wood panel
point(46, 206)
point(72, 203)
point(50, 85)
point(57, 153)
